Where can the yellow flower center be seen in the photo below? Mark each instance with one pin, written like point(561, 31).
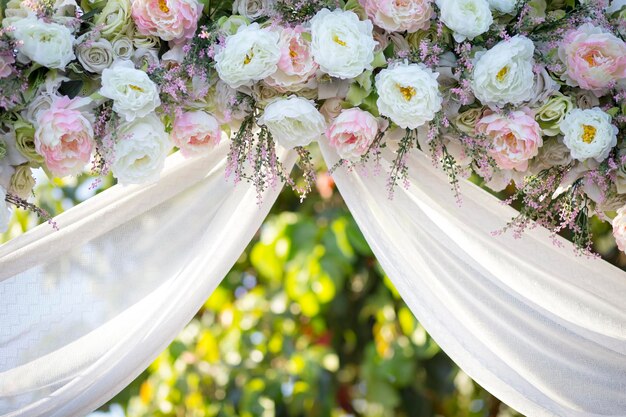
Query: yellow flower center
point(407, 92)
point(163, 6)
point(293, 53)
point(502, 73)
point(248, 57)
point(591, 57)
point(338, 40)
point(589, 133)
point(135, 88)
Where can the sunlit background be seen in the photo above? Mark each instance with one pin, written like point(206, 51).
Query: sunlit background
point(305, 324)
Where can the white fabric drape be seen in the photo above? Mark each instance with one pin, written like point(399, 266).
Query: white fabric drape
point(542, 329)
point(85, 309)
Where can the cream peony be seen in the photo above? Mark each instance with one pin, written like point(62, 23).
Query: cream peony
point(342, 45)
point(48, 44)
point(466, 18)
point(408, 94)
point(140, 151)
point(247, 56)
point(504, 74)
point(132, 91)
point(589, 134)
point(293, 122)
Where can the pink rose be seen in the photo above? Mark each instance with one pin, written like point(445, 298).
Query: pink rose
point(196, 132)
point(516, 137)
point(619, 229)
point(6, 64)
point(64, 137)
point(594, 59)
point(167, 19)
point(352, 133)
point(296, 66)
point(399, 15)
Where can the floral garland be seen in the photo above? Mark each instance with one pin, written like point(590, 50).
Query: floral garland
point(530, 93)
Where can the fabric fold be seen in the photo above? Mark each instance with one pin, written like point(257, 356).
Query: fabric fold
point(85, 309)
point(540, 327)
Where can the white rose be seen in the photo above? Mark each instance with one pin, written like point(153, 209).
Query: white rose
point(5, 212)
point(589, 134)
point(123, 48)
point(48, 44)
point(466, 18)
point(504, 74)
point(342, 45)
point(95, 55)
point(503, 6)
point(293, 122)
point(140, 151)
point(408, 94)
point(252, 9)
point(249, 55)
point(132, 91)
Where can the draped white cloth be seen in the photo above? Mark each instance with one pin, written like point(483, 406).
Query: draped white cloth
point(542, 329)
point(85, 309)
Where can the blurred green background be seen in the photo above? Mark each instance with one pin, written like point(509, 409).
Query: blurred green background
point(305, 324)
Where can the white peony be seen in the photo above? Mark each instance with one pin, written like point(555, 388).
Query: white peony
point(504, 74)
point(342, 45)
point(48, 44)
point(589, 134)
point(294, 121)
point(133, 93)
point(140, 151)
point(408, 94)
point(466, 18)
point(249, 55)
point(503, 6)
point(5, 212)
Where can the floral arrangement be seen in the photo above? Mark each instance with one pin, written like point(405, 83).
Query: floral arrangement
point(529, 94)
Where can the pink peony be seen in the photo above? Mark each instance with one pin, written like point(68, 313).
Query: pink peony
point(64, 137)
point(167, 19)
point(619, 229)
point(6, 64)
point(516, 137)
point(594, 59)
point(296, 66)
point(352, 133)
point(196, 132)
point(399, 15)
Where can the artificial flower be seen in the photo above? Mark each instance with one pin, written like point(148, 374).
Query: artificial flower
point(133, 93)
point(352, 133)
point(293, 121)
point(195, 132)
point(408, 94)
point(342, 45)
point(589, 134)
